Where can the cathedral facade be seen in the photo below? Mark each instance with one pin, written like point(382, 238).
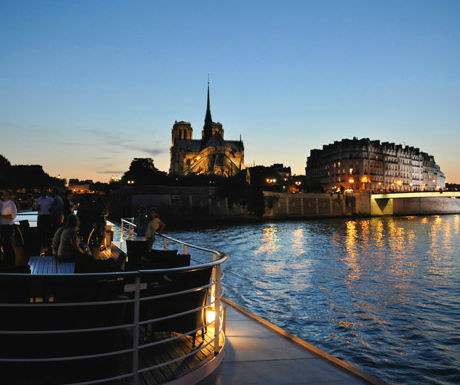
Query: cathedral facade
point(210, 155)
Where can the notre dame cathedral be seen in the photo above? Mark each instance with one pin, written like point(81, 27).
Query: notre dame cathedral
point(210, 155)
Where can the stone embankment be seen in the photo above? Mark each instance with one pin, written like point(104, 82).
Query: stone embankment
point(205, 204)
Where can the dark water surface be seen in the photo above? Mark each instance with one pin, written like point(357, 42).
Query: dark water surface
point(381, 293)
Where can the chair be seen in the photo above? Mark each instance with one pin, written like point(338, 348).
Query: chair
point(135, 250)
point(30, 238)
point(173, 282)
point(167, 260)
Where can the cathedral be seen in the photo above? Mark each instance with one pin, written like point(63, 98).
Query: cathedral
point(210, 155)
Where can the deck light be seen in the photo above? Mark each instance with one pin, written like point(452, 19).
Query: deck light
point(210, 314)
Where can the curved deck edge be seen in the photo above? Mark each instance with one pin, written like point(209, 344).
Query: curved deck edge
point(199, 374)
point(313, 349)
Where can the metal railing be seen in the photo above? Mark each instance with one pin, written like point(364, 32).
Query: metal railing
point(137, 308)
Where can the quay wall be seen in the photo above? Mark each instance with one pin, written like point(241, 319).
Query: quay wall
point(426, 206)
point(284, 205)
point(176, 203)
point(192, 204)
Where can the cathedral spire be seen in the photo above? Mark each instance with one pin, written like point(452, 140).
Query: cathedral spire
point(207, 128)
point(208, 118)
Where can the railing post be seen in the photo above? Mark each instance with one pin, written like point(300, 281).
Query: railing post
point(122, 231)
point(217, 312)
point(185, 249)
point(165, 243)
point(136, 331)
point(213, 279)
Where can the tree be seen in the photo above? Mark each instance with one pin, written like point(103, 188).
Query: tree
point(143, 172)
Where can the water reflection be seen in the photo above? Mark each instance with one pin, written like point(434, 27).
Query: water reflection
point(298, 241)
point(351, 255)
point(381, 293)
point(268, 240)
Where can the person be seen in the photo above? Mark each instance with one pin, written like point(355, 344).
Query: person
point(91, 213)
point(43, 206)
point(155, 225)
point(7, 217)
point(68, 204)
point(56, 210)
point(141, 221)
point(69, 248)
point(57, 239)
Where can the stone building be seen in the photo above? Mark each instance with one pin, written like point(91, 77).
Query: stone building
point(363, 164)
point(210, 155)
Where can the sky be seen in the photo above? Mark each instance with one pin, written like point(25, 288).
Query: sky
point(86, 86)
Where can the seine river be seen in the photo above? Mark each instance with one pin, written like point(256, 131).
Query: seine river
point(381, 293)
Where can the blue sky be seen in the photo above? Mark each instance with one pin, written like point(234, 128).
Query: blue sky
point(85, 86)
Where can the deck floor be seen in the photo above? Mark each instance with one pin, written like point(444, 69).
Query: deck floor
point(48, 265)
point(172, 350)
point(255, 355)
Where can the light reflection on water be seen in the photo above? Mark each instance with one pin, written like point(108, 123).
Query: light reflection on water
point(380, 293)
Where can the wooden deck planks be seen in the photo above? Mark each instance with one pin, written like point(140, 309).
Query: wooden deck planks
point(172, 350)
point(47, 265)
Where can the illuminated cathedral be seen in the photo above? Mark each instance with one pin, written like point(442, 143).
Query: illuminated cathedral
point(210, 155)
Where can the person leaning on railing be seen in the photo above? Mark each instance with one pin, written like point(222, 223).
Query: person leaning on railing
point(155, 225)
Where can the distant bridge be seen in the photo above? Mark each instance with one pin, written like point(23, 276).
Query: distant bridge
point(415, 203)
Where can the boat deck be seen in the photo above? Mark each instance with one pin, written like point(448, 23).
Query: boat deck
point(257, 352)
point(170, 351)
point(48, 265)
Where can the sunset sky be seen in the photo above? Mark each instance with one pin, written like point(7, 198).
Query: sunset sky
point(88, 85)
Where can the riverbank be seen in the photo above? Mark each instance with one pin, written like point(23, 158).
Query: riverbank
point(193, 206)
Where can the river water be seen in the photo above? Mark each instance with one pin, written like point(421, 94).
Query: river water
point(382, 294)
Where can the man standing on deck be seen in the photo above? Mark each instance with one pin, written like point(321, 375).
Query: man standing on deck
point(44, 203)
point(56, 211)
point(7, 217)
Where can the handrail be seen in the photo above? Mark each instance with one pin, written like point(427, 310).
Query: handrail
point(133, 226)
point(136, 280)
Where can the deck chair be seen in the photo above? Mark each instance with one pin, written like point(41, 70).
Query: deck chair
point(175, 282)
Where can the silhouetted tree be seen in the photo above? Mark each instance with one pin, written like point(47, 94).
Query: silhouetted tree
point(143, 172)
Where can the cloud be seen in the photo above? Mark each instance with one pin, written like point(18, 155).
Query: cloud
point(113, 172)
point(150, 151)
point(117, 139)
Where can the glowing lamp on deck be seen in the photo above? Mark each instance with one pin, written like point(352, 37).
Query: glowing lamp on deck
point(210, 314)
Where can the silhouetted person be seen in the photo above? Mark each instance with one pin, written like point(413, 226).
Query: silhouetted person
point(56, 211)
point(44, 223)
point(141, 221)
point(91, 213)
point(155, 225)
point(7, 217)
point(68, 204)
point(69, 243)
